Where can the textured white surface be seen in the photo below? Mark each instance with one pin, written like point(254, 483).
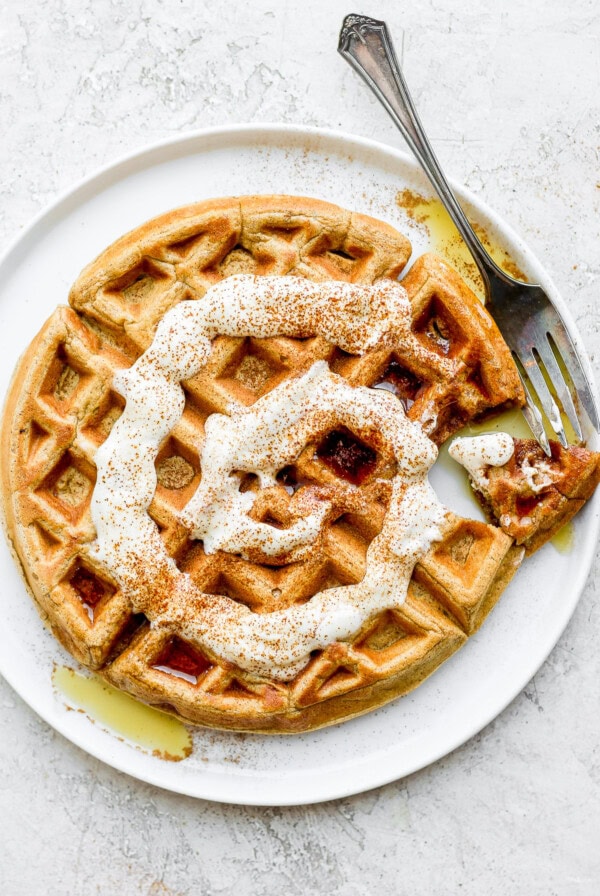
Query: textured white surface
point(511, 102)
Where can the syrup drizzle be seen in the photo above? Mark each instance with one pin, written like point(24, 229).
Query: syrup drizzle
point(89, 589)
point(180, 659)
point(289, 479)
point(347, 456)
point(154, 731)
point(400, 382)
point(429, 213)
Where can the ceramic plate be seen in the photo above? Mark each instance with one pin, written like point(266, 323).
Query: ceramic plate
point(471, 688)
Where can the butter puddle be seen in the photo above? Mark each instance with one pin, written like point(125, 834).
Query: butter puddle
point(445, 239)
point(564, 539)
point(513, 423)
point(152, 730)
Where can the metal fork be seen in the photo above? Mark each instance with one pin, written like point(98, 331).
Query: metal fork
point(530, 324)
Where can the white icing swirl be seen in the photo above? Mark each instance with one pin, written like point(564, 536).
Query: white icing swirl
point(476, 453)
point(259, 440)
point(271, 434)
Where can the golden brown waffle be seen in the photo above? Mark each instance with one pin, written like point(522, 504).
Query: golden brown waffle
point(62, 405)
point(532, 496)
point(468, 369)
point(463, 370)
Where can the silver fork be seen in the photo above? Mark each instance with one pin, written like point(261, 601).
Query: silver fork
point(530, 324)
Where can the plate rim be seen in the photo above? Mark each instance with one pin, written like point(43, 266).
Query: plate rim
point(369, 774)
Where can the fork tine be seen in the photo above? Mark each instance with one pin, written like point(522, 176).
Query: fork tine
point(544, 350)
point(532, 369)
point(570, 358)
point(534, 419)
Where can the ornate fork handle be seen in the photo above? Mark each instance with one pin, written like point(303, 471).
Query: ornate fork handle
point(366, 45)
point(527, 318)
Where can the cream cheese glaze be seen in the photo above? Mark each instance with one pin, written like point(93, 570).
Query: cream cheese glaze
point(539, 476)
point(260, 440)
point(478, 452)
point(271, 434)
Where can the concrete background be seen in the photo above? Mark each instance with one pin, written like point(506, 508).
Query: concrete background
point(509, 94)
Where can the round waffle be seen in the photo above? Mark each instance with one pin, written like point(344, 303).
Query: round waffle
point(64, 402)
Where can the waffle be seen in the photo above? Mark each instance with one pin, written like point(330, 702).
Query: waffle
point(532, 496)
point(62, 405)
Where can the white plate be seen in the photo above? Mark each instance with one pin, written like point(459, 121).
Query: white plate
point(472, 687)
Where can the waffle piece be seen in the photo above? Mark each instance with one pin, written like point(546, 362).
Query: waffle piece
point(62, 405)
point(532, 496)
point(449, 319)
